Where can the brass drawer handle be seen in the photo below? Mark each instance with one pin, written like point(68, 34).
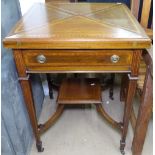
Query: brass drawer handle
point(115, 58)
point(41, 59)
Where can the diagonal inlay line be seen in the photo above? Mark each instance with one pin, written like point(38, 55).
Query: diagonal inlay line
point(73, 12)
point(59, 32)
point(51, 19)
point(112, 25)
point(137, 31)
point(132, 18)
point(67, 16)
point(101, 10)
point(105, 19)
point(61, 9)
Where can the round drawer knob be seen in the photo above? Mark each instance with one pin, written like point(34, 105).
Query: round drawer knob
point(41, 59)
point(115, 58)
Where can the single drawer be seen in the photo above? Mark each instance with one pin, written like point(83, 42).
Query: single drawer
point(77, 58)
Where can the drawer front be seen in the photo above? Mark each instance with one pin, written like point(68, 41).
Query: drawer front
point(77, 58)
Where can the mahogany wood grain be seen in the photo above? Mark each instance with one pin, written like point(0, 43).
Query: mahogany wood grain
point(78, 26)
point(21, 69)
point(84, 91)
point(135, 62)
point(140, 132)
point(131, 88)
point(144, 114)
point(27, 92)
point(133, 119)
point(97, 30)
point(127, 111)
point(64, 60)
point(80, 91)
point(124, 83)
point(103, 113)
point(80, 69)
point(145, 109)
point(148, 59)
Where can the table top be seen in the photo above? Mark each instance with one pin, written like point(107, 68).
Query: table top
point(78, 26)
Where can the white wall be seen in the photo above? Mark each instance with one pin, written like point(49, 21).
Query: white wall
point(26, 4)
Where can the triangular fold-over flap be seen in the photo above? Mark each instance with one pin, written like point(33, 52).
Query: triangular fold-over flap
point(77, 27)
point(116, 16)
point(81, 8)
point(45, 15)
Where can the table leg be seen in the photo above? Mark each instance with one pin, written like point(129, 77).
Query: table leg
point(111, 90)
point(49, 86)
point(27, 93)
point(28, 97)
point(127, 109)
point(100, 109)
point(123, 90)
point(44, 127)
point(144, 114)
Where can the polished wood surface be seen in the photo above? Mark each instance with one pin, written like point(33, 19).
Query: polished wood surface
point(78, 26)
point(145, 81)
point(80, 91)
point(144, 115)
point(85, 91)
point(102, 38)
point(78, 60)
point(27, 94)
point(146, 105)
point(130, 92)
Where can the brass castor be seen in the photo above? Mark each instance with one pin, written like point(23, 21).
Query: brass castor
point(122, 146)
point(39, 146)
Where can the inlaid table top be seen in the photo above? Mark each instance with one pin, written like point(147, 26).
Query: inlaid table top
point(78, 26)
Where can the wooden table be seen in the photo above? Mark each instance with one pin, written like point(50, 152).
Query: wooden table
point(77, 38)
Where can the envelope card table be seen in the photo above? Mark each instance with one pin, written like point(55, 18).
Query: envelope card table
point(77, 38)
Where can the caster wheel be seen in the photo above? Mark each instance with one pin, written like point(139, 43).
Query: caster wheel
point(122, 152)
point(111, 95)
point(39, 146)
point(122, 146)
point(51, 95)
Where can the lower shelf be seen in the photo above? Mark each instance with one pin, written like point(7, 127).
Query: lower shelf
point(80, 91)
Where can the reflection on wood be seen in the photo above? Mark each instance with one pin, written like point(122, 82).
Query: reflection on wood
point(78, 25)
